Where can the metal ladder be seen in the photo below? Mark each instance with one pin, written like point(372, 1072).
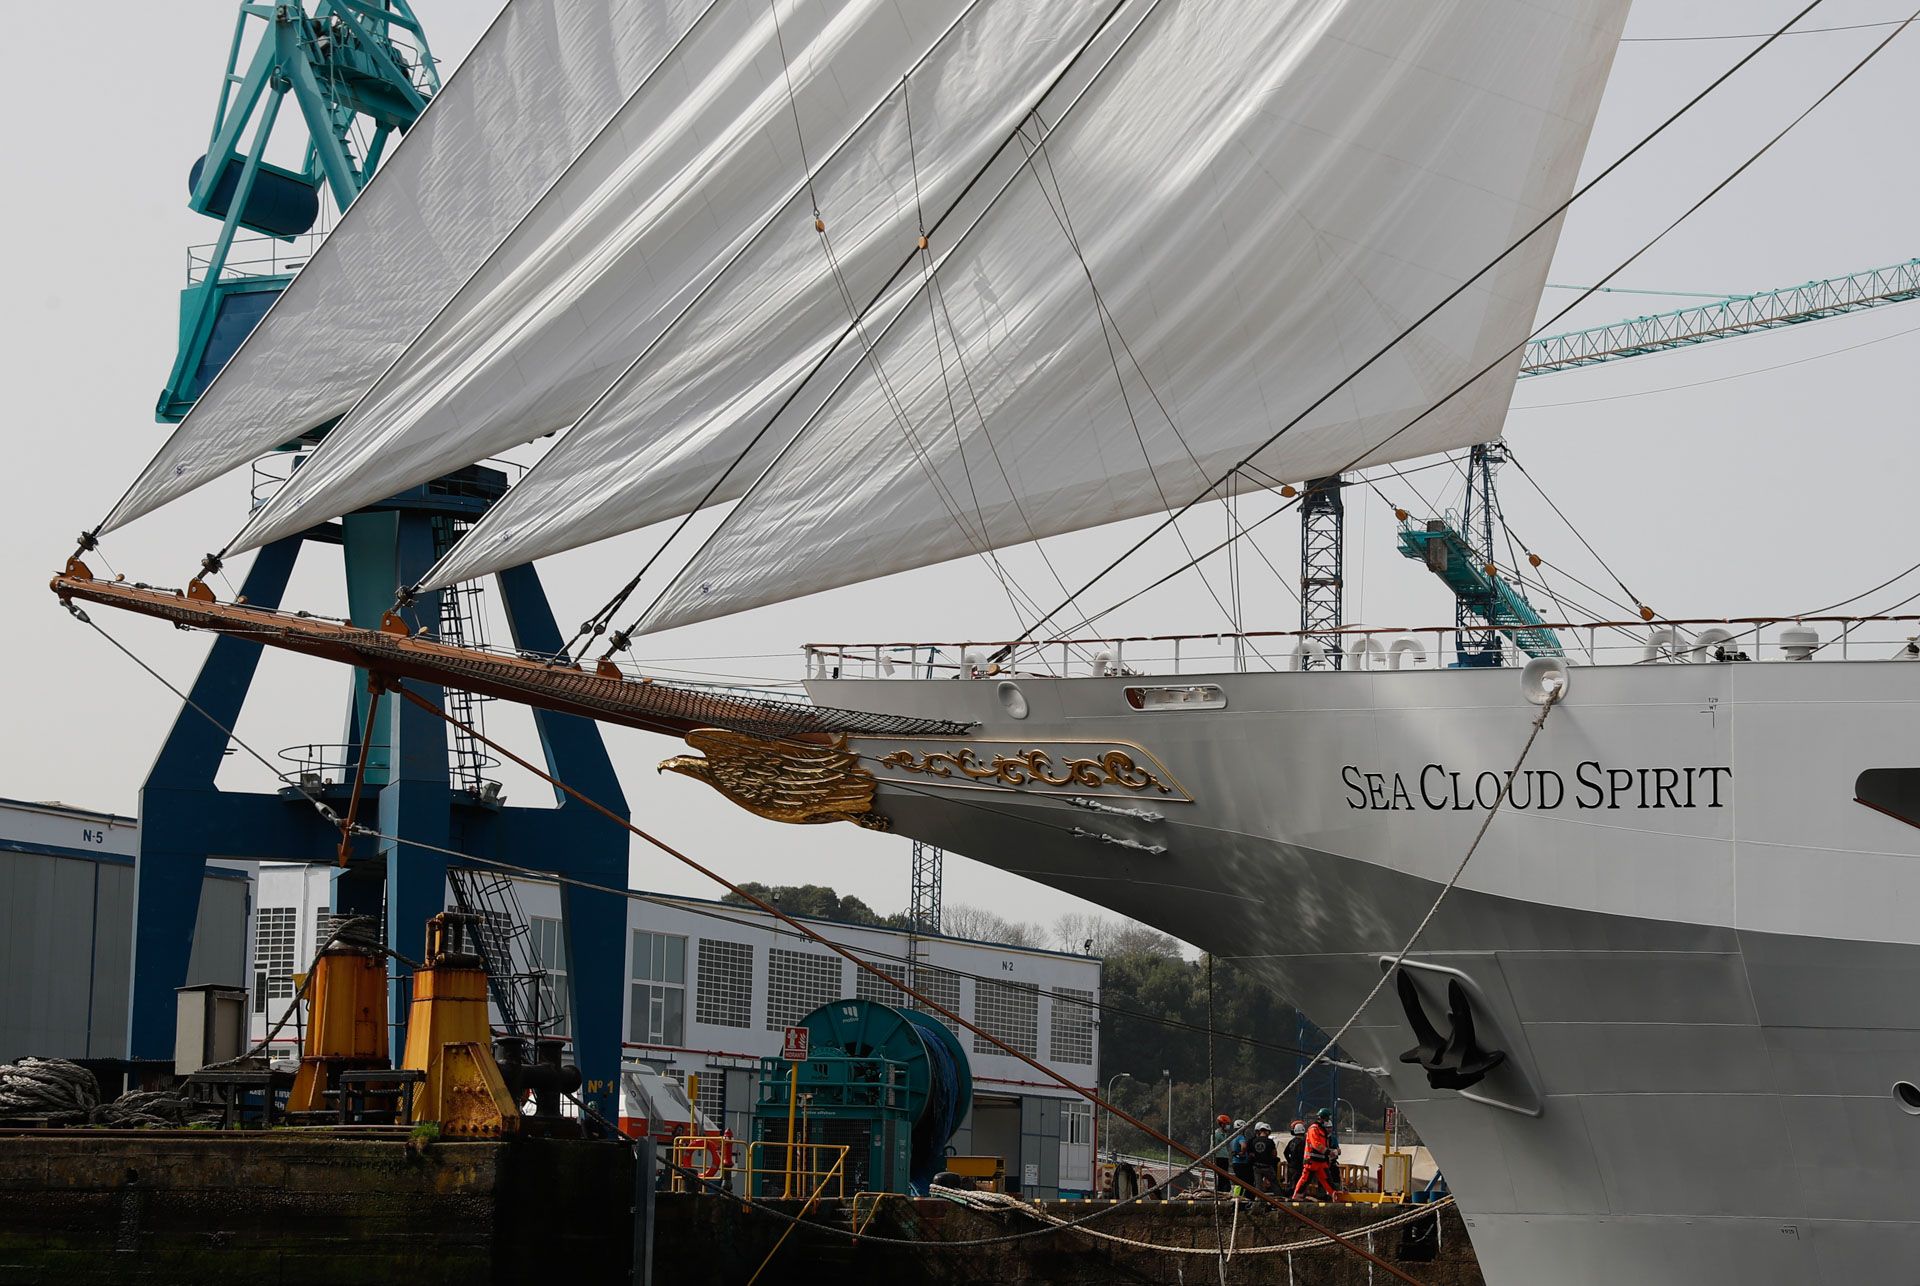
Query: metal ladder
point(463, 624)
point(515, 977)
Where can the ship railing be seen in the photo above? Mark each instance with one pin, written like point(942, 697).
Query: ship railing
point(1704, 640)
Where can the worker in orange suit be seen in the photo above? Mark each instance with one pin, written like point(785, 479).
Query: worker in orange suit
point(1319, 1157)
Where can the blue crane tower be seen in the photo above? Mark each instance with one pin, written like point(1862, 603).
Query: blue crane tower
point(359, 72)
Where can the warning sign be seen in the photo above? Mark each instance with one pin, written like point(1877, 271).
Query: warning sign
point(794, 1047)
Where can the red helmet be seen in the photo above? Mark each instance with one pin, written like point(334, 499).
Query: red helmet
point(1224, 1119)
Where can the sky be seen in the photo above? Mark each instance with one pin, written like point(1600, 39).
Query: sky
point(1766, 475)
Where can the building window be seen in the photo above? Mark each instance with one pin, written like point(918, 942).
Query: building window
point(547, 992)
point(273, 932)
point(942, 987)
point(1070, 1036)
point(713, 1096)
point(1076, 1123)
point(724, 996)
point(797, 984)
point(658, 1012)
point(1010, 1011)
point(493, 938)
point(868, 987)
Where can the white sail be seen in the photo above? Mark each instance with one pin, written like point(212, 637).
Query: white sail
point(655, 444)
point(542, 80)
point(691, 169)
point(1265, 193)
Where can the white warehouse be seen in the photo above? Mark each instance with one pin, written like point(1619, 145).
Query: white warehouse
point(712, 987)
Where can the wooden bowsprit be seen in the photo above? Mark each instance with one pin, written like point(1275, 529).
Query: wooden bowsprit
point(393, 652)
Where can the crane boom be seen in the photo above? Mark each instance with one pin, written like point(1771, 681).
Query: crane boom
point(1723, 319)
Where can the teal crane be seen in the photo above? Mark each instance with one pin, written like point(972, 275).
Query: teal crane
point(1489, 606)
point(1723, 317)
point(358, 72)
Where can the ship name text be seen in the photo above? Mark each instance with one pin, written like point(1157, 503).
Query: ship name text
point(1591, 785)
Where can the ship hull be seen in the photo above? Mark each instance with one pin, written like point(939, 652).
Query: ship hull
point(1705, 999)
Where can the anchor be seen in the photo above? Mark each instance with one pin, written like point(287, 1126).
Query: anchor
point(1454, 1061)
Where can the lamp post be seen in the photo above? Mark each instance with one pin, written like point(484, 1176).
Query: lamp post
point(1115, 1079)
point(1168, 1073)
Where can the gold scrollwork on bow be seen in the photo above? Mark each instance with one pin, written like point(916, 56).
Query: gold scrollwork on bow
point(783, 781)
point(1033, 768)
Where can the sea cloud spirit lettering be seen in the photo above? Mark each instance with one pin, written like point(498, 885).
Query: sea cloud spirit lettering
point(1591, 785)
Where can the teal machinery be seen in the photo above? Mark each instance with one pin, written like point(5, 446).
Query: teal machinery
point(889, 1085)
point(358, 74)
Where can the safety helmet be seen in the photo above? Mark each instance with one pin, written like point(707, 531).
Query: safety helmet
point(1324, 1114)
point(1263, 1126)
point(1299, 1127)
point(1239, 1125)
point(1223, 1119)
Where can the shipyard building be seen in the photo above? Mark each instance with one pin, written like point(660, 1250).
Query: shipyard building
point(712, 987)
point(66, 929)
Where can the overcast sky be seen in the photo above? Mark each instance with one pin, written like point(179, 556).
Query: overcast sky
point(1766, 475)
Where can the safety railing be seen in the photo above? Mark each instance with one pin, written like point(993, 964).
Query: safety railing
point(324, 765)
point(776, 1168)
point(254, 257)
point(1661, 641)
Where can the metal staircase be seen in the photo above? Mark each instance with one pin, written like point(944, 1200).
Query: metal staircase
point(515, 977)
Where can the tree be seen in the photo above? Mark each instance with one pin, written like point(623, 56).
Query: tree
point(816, 901)
point(1156, 1020)
point(959, 920)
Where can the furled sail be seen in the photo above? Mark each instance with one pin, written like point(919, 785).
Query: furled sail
point(672, 204)
point(1254, 198)
point(542, 80)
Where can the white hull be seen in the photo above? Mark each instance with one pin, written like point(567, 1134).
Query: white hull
point(1705, 975)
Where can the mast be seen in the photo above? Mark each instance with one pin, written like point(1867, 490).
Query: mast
point(1323, 517)
point(1474, 613)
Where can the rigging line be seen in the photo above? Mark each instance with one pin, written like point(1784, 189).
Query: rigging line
point(663, 729)
point(1079, 96)
point(1717, 188)
point(793, 103)
point(1755, 35)
point(320, 247)
point(669, 902)
point(801, 930)
point(1126, 402)
point(1419, 930)
point(939, 293)
point(1891, 580)
point(1461, 289)
point(328, 814)
point(1065, 220)
point(1847, 631)
point(934, 306)
point(1635, 598)
point(896, 406)
point(929, 1005)
point(613, 605)
point(460, 291)
point(1514, 545)
point(1176, 572)
point(1722, 379)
